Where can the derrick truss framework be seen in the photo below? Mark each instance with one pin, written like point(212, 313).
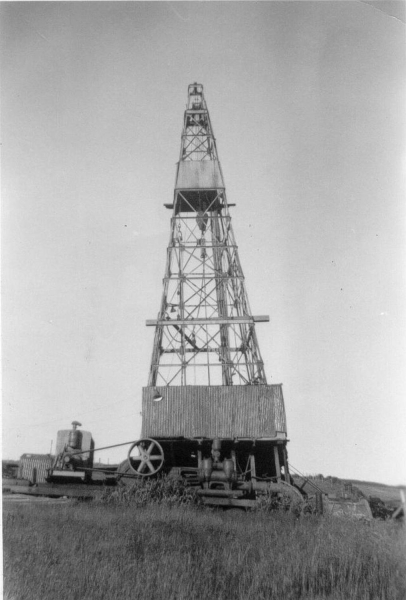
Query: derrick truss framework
point(205, 332)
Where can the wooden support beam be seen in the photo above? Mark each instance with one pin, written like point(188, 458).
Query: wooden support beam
point(285, 464)
point(221, 206)
point(212, 321)
point(252, 465)
point(277, 463)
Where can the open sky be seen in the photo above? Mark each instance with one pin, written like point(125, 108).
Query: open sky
point(307, 104)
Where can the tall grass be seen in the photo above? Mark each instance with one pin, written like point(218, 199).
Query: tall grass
point(146, 491)
point(121, 551)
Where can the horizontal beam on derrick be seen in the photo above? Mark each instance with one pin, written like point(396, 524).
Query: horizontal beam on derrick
point(220, 207)
point(178, 218)
point(202, 276)
point(210, 321)
point(194, 246)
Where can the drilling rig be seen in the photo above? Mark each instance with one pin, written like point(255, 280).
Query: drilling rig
point(209, 417)
point(208, 414)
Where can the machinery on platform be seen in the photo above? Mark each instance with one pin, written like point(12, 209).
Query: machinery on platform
point(74, 456)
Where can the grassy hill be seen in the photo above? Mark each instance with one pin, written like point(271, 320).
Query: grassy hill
point(350, 488)
point(387, 493)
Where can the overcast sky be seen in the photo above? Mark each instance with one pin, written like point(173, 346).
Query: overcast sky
point(307, 105)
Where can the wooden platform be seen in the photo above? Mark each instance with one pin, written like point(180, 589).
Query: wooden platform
point(52, 490)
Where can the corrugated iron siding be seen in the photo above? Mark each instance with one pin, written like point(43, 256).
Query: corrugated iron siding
point(29, 462)
point(213, 411)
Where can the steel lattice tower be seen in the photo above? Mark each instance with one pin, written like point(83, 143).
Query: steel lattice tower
point(205, 332)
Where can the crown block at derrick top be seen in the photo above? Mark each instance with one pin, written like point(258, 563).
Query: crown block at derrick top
point(202, 174)
point(239, 411)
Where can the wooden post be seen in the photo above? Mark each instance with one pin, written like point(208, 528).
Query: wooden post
point(277, 463)
point(285, 464)
point(319, 503)
point(252, 462)
point(402, 507)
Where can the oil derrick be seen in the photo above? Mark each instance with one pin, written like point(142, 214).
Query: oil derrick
point(209, 417)
point(208, 414)
point(205, 332)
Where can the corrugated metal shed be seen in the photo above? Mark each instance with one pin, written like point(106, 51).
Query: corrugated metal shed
point(34, 467)
point(214, 411)
point(201, 174)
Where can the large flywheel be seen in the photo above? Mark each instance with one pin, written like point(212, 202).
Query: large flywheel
point(146, 457)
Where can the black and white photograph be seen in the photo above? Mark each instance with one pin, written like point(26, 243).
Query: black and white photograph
point(203, 268)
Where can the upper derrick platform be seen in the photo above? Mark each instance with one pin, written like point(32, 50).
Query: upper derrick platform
point(199, 181)
point(199, 175)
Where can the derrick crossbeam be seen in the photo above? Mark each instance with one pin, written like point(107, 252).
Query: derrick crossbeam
point(213, 321)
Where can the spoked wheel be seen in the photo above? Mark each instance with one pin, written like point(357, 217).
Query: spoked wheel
point(148, 457)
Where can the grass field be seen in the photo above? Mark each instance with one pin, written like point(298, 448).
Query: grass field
point(120, 552)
